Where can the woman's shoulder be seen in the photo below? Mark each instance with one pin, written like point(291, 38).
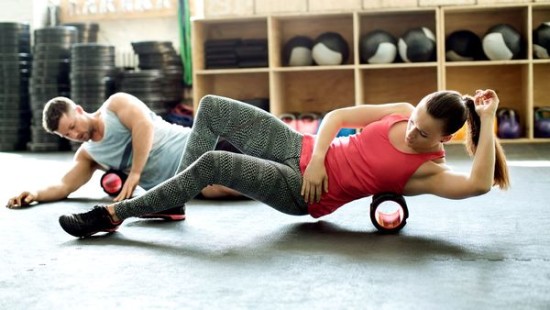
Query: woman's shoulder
point(430, 168)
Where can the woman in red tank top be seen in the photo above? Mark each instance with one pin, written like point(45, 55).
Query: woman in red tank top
point(430, 124)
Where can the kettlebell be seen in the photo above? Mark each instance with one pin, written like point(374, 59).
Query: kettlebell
point(290, 120)
point(508, 124)
point(308, 123)
point(542, 122)
point(388, 212)
point(112, 182)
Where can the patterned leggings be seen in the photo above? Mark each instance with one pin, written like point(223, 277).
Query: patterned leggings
point(267, 171)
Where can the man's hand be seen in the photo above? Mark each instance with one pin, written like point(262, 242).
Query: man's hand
point(24, 199)
point(129, 186)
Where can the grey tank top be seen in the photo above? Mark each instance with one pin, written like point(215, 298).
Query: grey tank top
point(165, 155)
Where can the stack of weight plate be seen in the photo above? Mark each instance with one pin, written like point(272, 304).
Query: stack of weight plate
point(159, 81)
point(49, 79)
point(87, 32)
point(15, 67)
point(147, 85)
point(93, 76)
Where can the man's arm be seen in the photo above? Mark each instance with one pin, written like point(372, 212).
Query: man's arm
point(81, 172)
point(132, 113)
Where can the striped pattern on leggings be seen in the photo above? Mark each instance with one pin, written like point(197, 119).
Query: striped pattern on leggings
point(267, 171)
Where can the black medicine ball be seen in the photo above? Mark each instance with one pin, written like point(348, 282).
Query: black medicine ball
point(417, 45)
point(297, 51)
point(463, 45)
point(378, 47)
point(541, 41)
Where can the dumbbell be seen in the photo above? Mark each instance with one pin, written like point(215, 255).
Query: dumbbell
point(542, 122)
point(388, 212)
point(112, 182)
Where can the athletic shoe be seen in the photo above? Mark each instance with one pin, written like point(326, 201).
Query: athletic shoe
point(173, 214)
point(85, 224)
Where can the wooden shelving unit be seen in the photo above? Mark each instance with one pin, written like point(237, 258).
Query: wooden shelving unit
point(521, 83)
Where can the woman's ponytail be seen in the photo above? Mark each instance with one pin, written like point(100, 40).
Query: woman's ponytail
point(501, 176)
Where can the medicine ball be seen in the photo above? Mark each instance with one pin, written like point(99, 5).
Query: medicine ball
point(542, 122)
point(541, 41)
point(378, 47)
point(463, 45)
point(297, 51)
point(417, 45)
point(330, 48)
point(502, 42)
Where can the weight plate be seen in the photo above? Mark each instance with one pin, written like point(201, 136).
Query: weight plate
point(15, 57)
point(13, 147)
point(14, 26)
point(15, 48)
point(148, 47)
point(15, 139)
point(5, 131)
point(94, 27)
point(15, 114)
point(43, 147)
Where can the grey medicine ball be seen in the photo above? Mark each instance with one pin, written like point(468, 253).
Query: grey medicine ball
point(378, 47)
point(330, 48)
point(297, 51)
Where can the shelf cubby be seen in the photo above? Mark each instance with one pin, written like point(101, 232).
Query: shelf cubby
point(398, 84)
point(317, 91)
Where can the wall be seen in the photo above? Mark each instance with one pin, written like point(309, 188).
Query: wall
point(33, 12)
point(121, 33)
point(233, 8)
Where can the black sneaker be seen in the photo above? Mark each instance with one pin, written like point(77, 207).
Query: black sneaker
point(174, 214)
point(85, 224)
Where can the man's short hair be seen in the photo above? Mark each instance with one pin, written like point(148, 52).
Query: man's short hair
point(53, 110)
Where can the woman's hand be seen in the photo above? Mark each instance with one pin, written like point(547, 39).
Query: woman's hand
point(315, 181)
point(486, 102)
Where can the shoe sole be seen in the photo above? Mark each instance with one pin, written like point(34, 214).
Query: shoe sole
point(167, 217)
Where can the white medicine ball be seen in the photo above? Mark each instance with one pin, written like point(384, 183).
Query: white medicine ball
point(502, 42)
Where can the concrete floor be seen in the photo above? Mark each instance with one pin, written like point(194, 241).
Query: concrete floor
point(490, 252)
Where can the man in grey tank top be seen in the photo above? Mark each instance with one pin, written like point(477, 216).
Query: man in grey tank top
point(122, 123)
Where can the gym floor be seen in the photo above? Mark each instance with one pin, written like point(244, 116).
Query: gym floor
point(488, 252)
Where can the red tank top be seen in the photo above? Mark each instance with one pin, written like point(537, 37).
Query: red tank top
point(362, 165)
